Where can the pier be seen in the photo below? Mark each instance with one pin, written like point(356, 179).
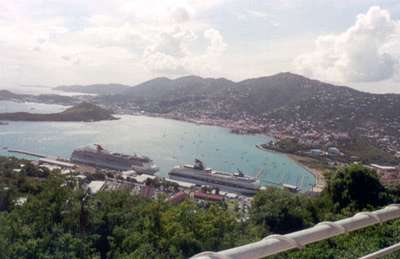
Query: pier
point(24, 152)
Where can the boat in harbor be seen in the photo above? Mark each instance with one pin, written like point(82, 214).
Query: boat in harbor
point(224, 181)
point(99, 157)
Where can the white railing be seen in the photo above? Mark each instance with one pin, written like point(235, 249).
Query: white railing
point(383, 252)
point(275, 244)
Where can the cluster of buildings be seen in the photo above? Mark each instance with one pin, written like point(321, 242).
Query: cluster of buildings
point(387, 174)
point(321, 139)
point(145, 185)
point(326, 144)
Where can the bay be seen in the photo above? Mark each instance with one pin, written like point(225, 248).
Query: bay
point(168, 142)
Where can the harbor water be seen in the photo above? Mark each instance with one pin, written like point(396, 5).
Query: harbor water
point(167, 142)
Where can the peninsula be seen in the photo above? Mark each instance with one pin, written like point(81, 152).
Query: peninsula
point(80, 112)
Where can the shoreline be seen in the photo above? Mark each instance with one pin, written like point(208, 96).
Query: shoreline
point(238, 129)
point(320, 182)
point(233, 126)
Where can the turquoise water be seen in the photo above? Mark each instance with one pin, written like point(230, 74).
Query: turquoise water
point(167, 142)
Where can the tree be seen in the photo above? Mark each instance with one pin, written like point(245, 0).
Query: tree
point(30, 170)
point(355, 187)
point(7, 196)
point(280, 211)
point(60, 221)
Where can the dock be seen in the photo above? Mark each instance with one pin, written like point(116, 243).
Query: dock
point(55, 162)
point(24, 152)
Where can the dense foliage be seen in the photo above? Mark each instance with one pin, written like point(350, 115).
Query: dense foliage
point(356, 187)
point(287, 145)
point(58, 220)
point(367, 152)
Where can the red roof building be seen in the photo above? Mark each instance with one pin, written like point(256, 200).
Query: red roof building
point(178, 198)
point(147, 191)
point(208, 197)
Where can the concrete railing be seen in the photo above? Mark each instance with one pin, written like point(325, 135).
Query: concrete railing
point(383, 252)
point(275, 244)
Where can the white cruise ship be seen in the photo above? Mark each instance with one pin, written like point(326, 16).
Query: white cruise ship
point(229, 182)
point(98, 157)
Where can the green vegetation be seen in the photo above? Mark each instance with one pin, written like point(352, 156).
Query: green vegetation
point(58, 220)
point(313, 163)
point(81, 112)
point(287, 145)
point(358, 148)
point(368, 153)
point(356, 187)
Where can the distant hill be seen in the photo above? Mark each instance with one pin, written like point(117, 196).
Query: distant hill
point(7, 95)
point(163, 95)
point(81, 112)
point(256, 96)
point(283, 96)
point(335, 106)
point(100, 89)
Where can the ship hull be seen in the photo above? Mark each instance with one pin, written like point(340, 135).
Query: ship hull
point(221, 187)
point(248, 190)
point(111, 162)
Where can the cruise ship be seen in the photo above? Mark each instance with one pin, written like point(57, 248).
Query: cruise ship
point(98, 157)
point(228, 182)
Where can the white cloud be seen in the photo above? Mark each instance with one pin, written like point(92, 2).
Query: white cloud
point(217, 44)
point(127, 41)
point(180, 14)
point(169, 51)
point(367, 51)
point(173, 53)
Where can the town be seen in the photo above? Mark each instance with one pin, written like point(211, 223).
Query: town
point(328, 144)
point(138, 182)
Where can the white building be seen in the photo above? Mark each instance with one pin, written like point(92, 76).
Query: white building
point(95, 186)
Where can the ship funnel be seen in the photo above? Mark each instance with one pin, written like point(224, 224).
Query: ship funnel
point(99, 147)
point(198, 164)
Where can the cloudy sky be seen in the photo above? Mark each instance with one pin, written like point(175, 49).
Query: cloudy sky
point(54, 42)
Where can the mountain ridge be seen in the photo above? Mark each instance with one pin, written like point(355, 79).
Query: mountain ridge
point(285, 97)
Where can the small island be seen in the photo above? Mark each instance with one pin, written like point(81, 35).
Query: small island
point(81, 112)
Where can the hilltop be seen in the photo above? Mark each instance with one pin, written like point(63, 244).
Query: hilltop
point(224, 98)
point(317, 113)
point(163, 95)
point(81, 112)
point(286, 104)
point(283, 96)
point(7, 95)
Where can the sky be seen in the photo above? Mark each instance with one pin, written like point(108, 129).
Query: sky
point(61, 42)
